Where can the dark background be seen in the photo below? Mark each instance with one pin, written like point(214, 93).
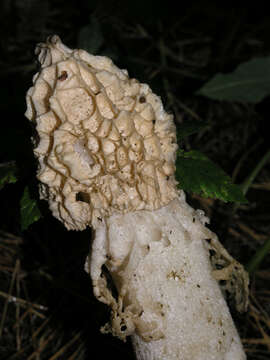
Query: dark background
point(175, 50)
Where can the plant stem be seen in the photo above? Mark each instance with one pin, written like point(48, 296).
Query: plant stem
point(260, 254)
point(256, 260)
point(251, 177)
point(254, 173)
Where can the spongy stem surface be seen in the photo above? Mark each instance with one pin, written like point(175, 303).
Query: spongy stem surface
point(168, 300)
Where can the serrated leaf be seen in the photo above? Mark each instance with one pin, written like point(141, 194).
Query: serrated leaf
point(91, 37)
point(7, 173)
point(188, 128)
point(250, 82)
point(198, 174)
point(29, 210)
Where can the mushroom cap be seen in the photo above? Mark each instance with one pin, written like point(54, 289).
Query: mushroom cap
point(106, 143)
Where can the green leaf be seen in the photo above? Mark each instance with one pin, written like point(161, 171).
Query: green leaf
point(198, 174)
point(29, 210)
point(7, 173)
point(250, 82)
point(189, 127)
point(91, 37)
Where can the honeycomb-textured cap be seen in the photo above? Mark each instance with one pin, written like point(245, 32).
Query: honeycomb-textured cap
point(106, 143)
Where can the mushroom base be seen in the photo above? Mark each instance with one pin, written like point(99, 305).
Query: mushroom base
point(168, 298)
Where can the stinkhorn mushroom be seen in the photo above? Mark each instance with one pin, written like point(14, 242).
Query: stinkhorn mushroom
point(106, 157)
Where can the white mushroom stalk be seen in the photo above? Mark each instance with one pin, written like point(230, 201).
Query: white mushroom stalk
point(106, 159)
